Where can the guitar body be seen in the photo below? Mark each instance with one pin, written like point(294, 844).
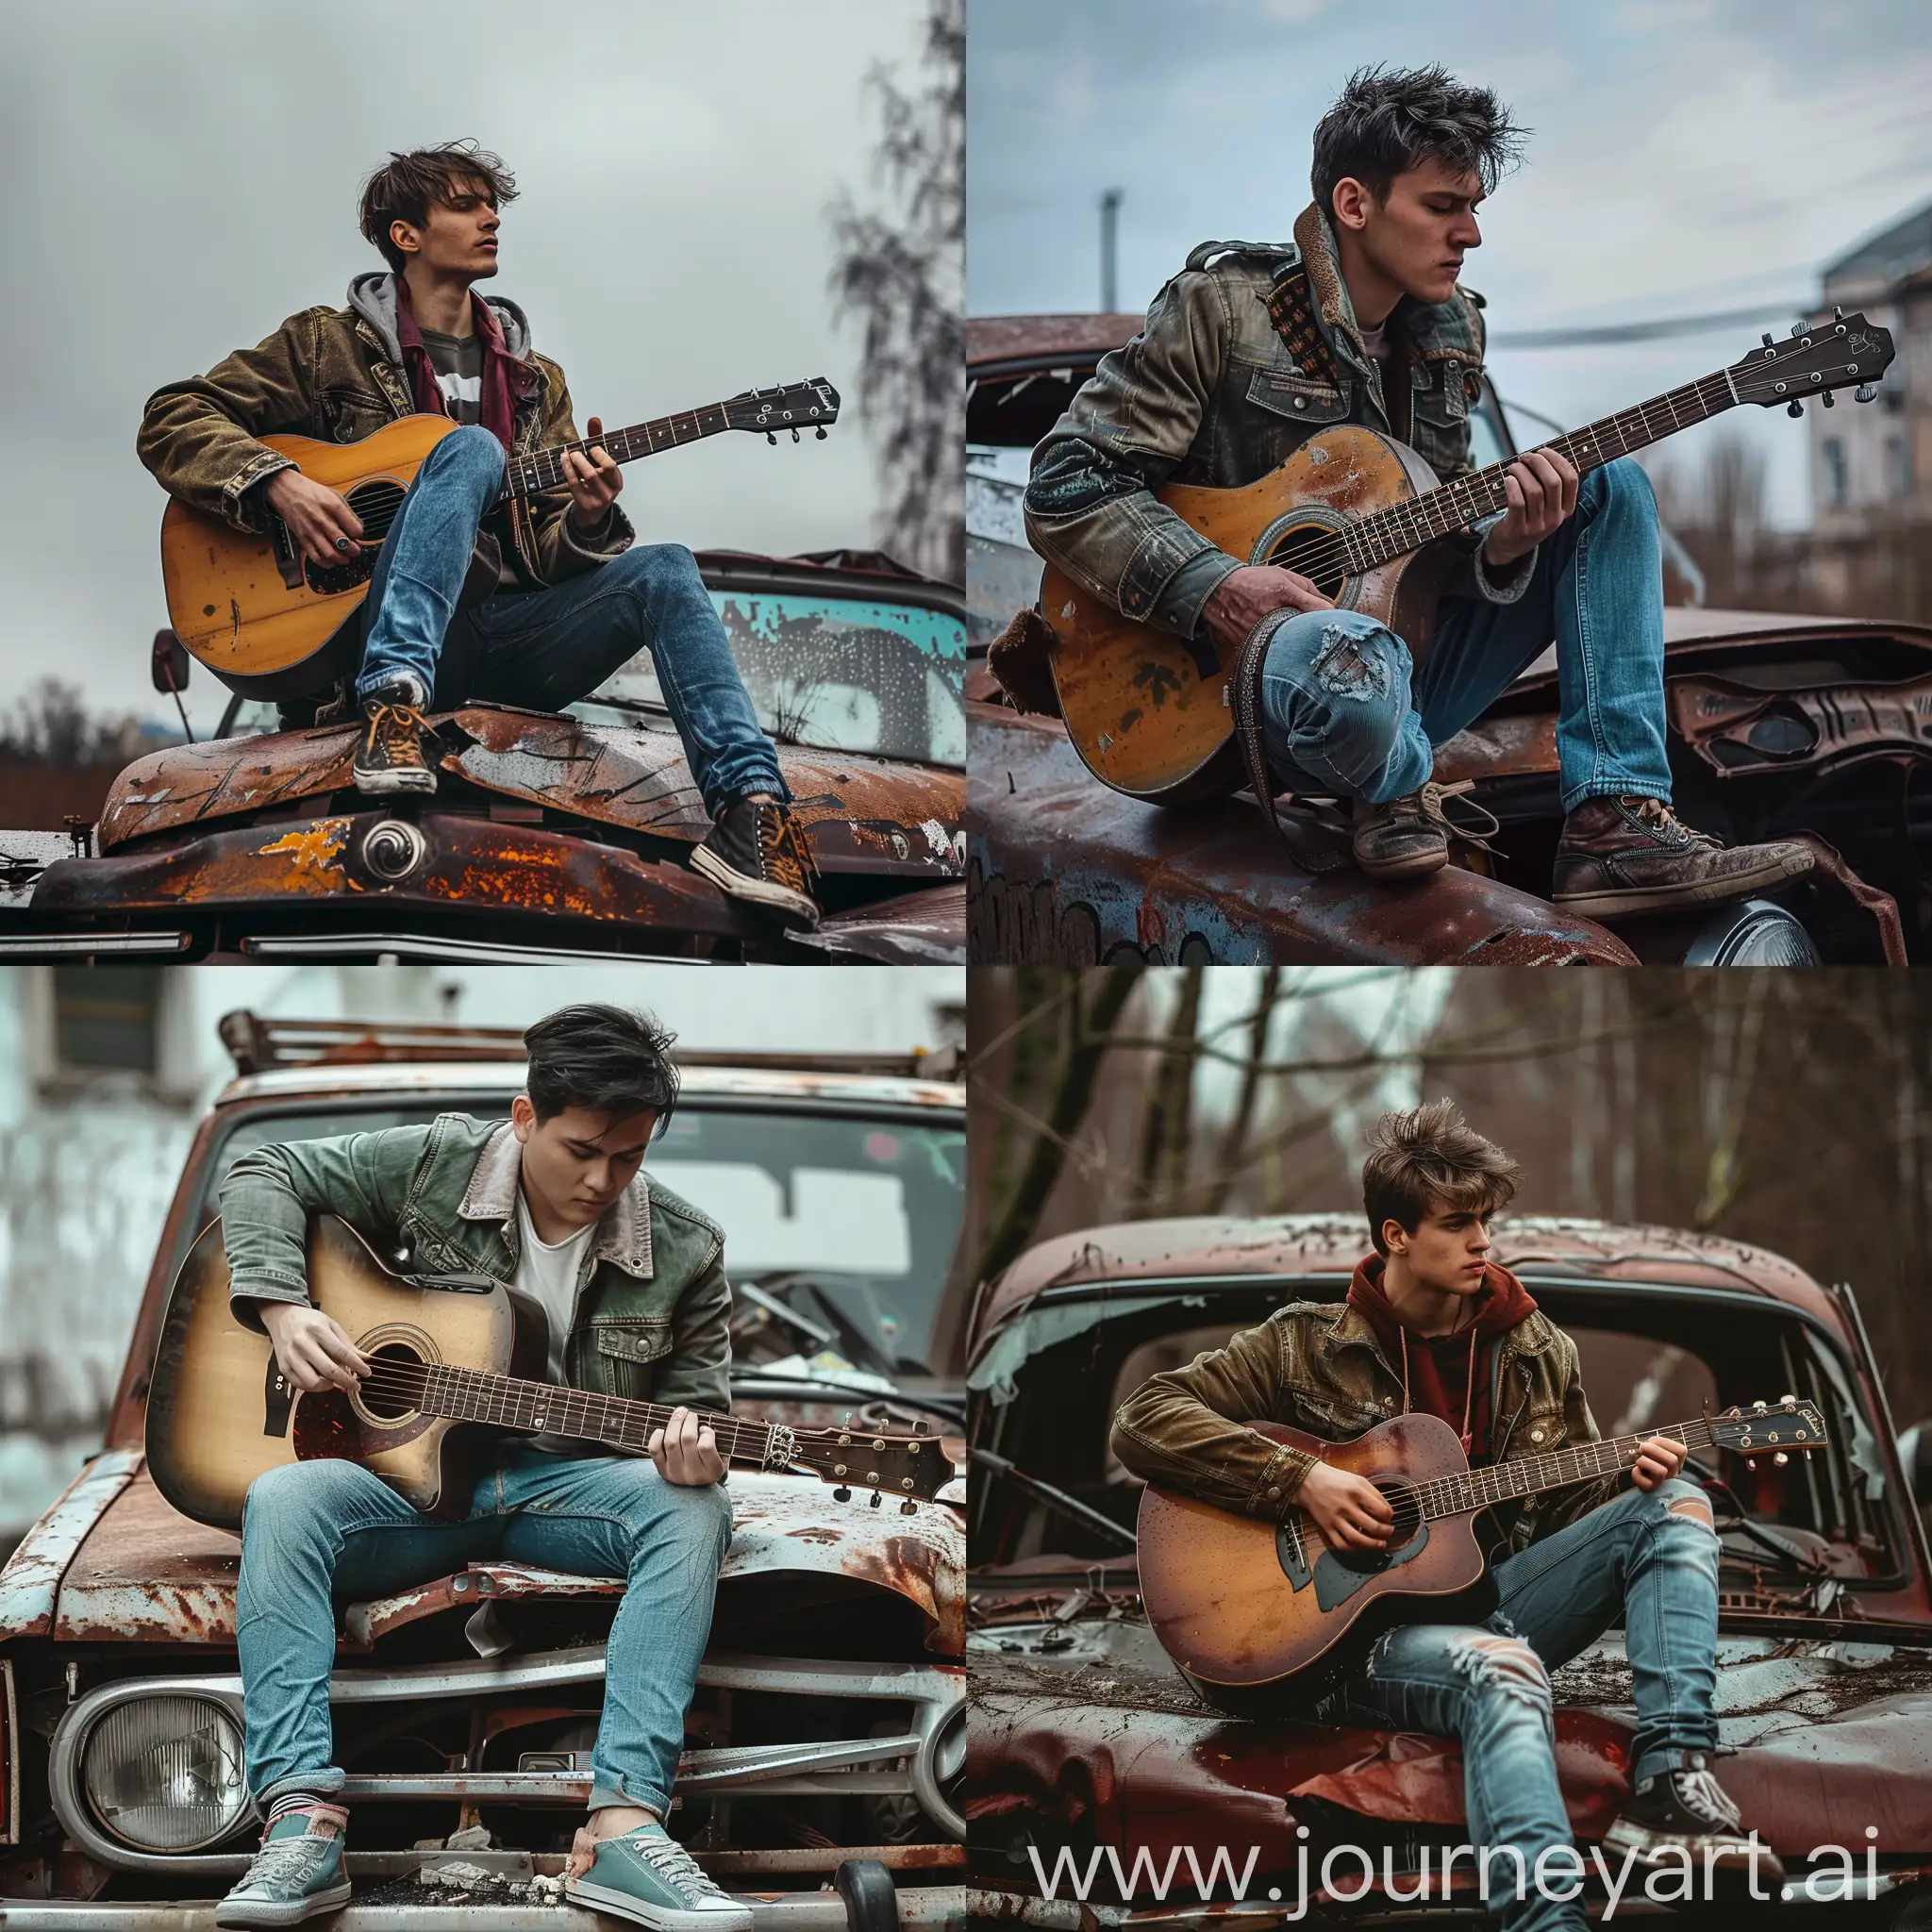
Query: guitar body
point(219, 1413)
point(1258, 1615)
point(1149, 712)
point(262, 619)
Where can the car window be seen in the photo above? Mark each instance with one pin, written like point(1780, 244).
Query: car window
point(835, 673)
point(852, 1216)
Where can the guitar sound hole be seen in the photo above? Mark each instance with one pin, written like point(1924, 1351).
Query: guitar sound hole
point(377, 504)
point(386, 1404)
point(1401, 1498)
point(1310, 551)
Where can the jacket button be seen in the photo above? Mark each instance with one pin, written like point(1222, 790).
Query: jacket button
point(1274, 1492)
point(1536, 1435)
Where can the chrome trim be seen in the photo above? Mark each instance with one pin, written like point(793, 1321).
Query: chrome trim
point(29, 947)
point(9, 1758)
point(938, 1698)
point(377, 946)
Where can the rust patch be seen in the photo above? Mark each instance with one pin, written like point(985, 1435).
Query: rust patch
point(314, 852)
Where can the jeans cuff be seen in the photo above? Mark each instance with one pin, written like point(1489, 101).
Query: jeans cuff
point(604, 1794)
point(325, 1783)
point(1661, 1757)
point(396, 684)
point(1574, 796)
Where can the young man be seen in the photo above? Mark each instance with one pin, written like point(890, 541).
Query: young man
point(552, 1202)
point(1431, 1324)
point(535, 604)
point(1253, 350)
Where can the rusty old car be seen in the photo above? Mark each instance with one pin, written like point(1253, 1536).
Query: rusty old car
point(827, 1742)
point(1778, 725)
point(549, 835)
point(1087, 1744)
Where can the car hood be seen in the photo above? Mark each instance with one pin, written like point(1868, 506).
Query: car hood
point(112, 1561)
point(863, 814)
point(1823, 1737)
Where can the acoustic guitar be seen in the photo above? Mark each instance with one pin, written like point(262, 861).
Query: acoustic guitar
point(448, 1367)
point(1362, 516)
point(1264, 1617)
point(261, 617)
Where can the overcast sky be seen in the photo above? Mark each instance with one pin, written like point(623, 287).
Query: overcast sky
point(1689, 156)
point(181, 178)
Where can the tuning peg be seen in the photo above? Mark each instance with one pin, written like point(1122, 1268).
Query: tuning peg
point(1792, 409)
point(874, 1503)
point(841, 1494)
point(921, 1427)
point(794, 436)
point(1829, 399)
point(1760, 1408)
point(819, 432)
point(1865, 392)
point(1767, 339)
point(1750, 1463)
point(1779, 1460)
point(1789, 1401)
point(1838, 313)
point(771, 439)
point(909, 1507)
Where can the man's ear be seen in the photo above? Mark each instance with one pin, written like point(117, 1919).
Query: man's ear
point(523, 1118)
point(1394, 1237)
point(1349, 204)
point(403, 236)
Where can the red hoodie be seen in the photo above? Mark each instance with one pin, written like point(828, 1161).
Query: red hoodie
point(1448, 1374)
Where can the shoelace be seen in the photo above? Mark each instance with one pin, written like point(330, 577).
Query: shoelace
point(1654, 813)
point(782, 849)
point(1701, 1795)
point(287, 1859)
point(672, 1861)
point(1428, 805)
point(397, 725)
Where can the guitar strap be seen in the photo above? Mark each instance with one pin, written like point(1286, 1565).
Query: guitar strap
point(1292, 309)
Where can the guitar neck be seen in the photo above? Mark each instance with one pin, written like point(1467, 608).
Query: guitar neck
point(505, 1402)
point(542, 469)
point(1408, 525)
point(1458, 1496)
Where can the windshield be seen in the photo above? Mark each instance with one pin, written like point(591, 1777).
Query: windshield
point(850, 1218)
point(834, 673)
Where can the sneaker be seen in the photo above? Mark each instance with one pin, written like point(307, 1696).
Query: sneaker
point(1621, 857)
point(390, 757)
point(648, 1878)
point(1689, 1811)
point(756, 851)
point(1405, 838)
point(296, 1875)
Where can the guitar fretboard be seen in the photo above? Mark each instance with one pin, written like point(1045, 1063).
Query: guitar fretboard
point(1458, 1496)
point(542, 469)
point(1408, 525)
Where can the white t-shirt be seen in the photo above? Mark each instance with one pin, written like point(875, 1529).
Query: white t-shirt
point(549, 1276)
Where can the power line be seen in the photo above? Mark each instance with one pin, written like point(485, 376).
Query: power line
point(1639, 331)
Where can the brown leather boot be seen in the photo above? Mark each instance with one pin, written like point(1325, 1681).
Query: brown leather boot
point(1621, 857)
point(1406, 838)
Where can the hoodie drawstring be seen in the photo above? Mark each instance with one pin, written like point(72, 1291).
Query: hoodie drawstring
point(1468, 1394)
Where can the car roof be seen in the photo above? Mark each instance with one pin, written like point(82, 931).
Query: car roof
point(333, 1081)
point(1330, 1244)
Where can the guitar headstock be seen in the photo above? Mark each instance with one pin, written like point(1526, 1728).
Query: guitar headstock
point(1813, 361)
point(1769, 1429)
point(913, 1468)
point(812, 404)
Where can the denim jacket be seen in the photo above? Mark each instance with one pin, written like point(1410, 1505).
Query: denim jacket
point(1210, 393)
point(1317, 1367)
point(438, 1204)
point(338, 375)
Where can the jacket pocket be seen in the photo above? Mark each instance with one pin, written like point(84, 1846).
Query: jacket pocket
point(348, 415)
point(1299, 398)
point(626, 1351)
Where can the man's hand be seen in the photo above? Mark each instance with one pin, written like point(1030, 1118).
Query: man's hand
point(1243, 597)
point(685, 1452)
point(316, 517)
point(312, 1350)
point(1658, 1461)
point(1349, 1511)
point(593, 485)
point(1542, 489)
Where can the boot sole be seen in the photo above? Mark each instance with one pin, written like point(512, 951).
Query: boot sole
point(606, 1898)
point(291, 1914)
point(1728, 1861)
point(1627, 902)
point(727, 878)
point(1418, 867)
point(388, 784)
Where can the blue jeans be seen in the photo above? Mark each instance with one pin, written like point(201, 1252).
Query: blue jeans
point(544, 649)
point(316, 1534)
point(1346, 715)
point(1653, 1557)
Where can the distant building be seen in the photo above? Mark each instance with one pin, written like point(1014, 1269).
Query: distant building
point(1873, 464)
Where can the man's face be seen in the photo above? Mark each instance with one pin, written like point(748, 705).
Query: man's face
point(1418, 237)
point(1448, 1249)
point(457, 236)
point(577, 1163)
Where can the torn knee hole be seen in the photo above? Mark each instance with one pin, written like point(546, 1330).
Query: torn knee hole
point(1696, 1507)
point(1505, 1663)
point(1349, 667)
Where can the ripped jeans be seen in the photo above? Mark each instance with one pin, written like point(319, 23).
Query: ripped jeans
point(1346, 715)
point(1653, 1557)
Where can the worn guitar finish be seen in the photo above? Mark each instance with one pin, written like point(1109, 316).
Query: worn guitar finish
point(449, 1365)
point(1362, 517)
point(267, 623)
point(1260, 1616)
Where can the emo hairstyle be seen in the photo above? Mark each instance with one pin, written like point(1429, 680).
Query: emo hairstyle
point(1384, 123)
point(1430, 1160)
point(412, 183)
point(602, 1059)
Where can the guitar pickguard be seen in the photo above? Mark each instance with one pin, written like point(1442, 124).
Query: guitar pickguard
point(1336, 1576)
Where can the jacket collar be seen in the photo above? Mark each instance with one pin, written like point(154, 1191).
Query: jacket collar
point(623, 1235)
point(1351, 1328)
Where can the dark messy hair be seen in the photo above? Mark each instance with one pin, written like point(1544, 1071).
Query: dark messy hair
point(1429, 1159)
point(602, 1059)
point(1384, 123)
point(412, 183)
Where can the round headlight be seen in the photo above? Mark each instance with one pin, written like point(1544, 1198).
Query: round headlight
point(1756, 933)
point(165, 1773)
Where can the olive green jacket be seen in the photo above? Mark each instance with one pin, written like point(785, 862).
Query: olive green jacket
point(438, 1203)
point(338, 375)
point(1317, 1367)
point(1211, 392)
